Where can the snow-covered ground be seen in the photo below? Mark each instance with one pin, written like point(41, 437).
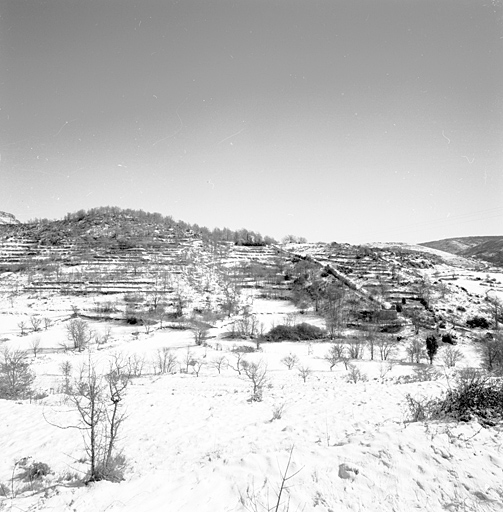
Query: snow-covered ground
point(197, 443)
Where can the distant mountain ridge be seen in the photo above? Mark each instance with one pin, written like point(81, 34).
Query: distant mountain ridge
point(484, 248)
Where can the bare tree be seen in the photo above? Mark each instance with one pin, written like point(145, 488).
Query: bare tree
point(188, 359)
point(47, 323)
point(415, 351)
point(22, 326)
point(36, 322)
point(197, 364)
point(35, 344)
point(256, 372)
point(304, 372)
point(165, 361)
point(135, 365)
point(238, 362)
point(200, 333)
point(290, 361)
point(387, 347)
point(355, 349)
point(98, 401)
point(335, 354)
point(66, 370)
point(451, 356)
point(495, 309)
point(218, 363)
point(78, 333)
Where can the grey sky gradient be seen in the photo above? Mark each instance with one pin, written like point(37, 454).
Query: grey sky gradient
point(335, 120)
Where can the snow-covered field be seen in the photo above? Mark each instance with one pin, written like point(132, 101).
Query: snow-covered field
point(196, 444)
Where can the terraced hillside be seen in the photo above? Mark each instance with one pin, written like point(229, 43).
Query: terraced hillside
point(146, 258)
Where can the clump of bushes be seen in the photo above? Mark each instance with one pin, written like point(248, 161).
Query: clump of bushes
point(475, 396)
point(478, 321)
point(449, 338)
point(299, 332)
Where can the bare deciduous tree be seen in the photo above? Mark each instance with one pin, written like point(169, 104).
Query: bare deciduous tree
point(256, 372)
point(387, 347)
point(22, 326)
point(35, 345)
point(415, 351)
point(36, 322)
point(78, 333)
point(451, 356)
point(304, 372)
point(237, 366)
point(98, 401)
point(290, 361)
point(218, 363)
point(165, 361)
point(335, 354)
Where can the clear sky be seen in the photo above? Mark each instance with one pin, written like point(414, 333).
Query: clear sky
point(337, 120)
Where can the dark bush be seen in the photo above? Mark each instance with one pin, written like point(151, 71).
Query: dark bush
point(449, 338)
point(462, 309)
point(475, 395)
point(35, 470)
point(478, 321)
point(307, 331)
point(300, 332)
point(282, 332)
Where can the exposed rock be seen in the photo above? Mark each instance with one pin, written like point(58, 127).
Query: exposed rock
point(347, 471)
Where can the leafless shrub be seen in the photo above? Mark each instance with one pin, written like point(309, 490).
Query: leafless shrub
point(252, 502)
point(384, 369)
point(355, 374)
point(104, 337)
point(277, 411)
point(304, 372)
point(420, 408)
point(290, 361)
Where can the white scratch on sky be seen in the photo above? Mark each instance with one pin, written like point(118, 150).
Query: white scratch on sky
point(230, 136)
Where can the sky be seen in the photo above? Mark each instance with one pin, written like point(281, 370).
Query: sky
point(336, 120)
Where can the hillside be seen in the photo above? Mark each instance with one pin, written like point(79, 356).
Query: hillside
point(483, 248)
point(237, 364)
